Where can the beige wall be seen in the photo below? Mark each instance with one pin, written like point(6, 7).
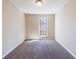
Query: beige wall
point(65, 27)
point(13, 27)
point(32, 25)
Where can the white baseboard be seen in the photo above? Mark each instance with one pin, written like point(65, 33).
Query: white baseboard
point(39, 38)
point(48, 38)
point(67, 49)
point(11, 50)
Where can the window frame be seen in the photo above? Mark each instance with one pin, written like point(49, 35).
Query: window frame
point(46, 27)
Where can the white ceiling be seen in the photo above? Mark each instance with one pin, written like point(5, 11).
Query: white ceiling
point(48, 7)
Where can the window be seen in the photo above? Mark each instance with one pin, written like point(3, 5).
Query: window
point(43, 27)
